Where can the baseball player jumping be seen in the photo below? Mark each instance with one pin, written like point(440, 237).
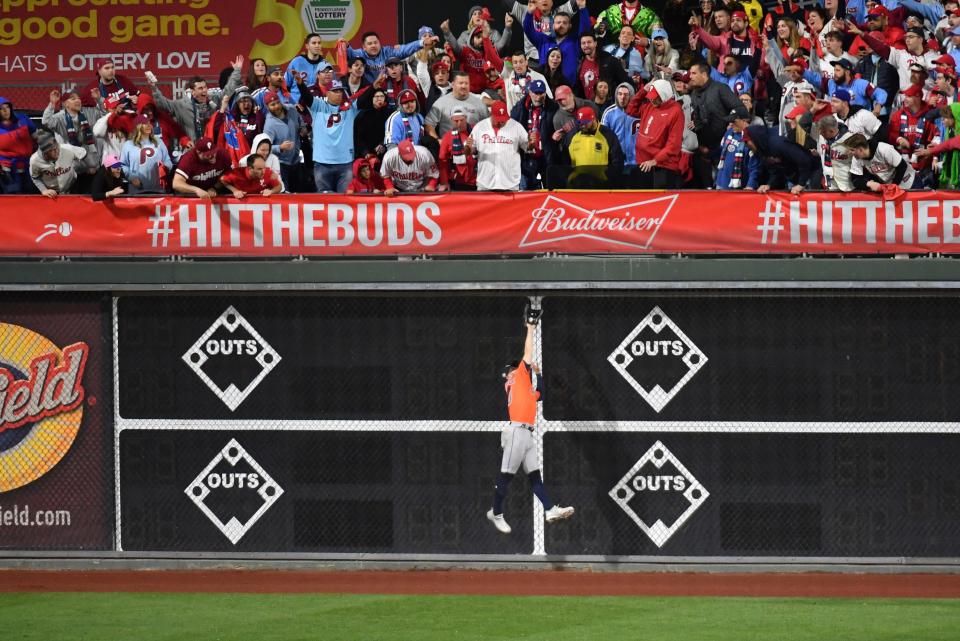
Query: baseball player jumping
point(517, 440)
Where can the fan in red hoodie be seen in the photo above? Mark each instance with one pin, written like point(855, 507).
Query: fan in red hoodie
point(659, 132)
point(363, 178)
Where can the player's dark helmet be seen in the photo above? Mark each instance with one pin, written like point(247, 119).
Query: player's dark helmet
point(509, 367)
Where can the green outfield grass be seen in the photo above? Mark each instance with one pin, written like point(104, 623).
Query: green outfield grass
point(228, 617)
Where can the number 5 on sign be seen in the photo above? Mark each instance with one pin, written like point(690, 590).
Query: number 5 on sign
point(288, 17)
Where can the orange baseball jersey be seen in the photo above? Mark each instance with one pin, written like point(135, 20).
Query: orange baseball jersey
point(521, 396)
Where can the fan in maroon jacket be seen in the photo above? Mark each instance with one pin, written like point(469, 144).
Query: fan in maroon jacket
point(108, 82)
point(200, 170)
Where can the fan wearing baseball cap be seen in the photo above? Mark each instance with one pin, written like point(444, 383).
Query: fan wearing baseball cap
point(110, 180)
point(74, 124)
point(861, 91)
point(858, 120)
point(405, 123)
point(408, 168)
point(536, 114)
point(659, 136)
point(458, 169)
point(107, 83)
point(739, 167)
point(884, 44)
point(333, 135)
point(910, 129)
point(53, 165)
point(593, 151)
point(199, 170)
point(498, 142)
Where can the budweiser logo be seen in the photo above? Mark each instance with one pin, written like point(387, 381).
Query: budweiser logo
point(49, 390)
point(632, 225)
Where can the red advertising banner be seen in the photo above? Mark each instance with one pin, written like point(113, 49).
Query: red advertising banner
point(702, 222)
point(58, 41)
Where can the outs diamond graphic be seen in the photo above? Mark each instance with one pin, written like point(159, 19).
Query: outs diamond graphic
point(231, 358)
point(659, 494)
point(657, 359)
point(233, 491)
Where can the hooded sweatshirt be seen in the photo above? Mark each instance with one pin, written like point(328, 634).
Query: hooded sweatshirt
point(624, 126)
point(273, 161)
point(358, 185)
point(660, 128)
point(401, 125)
point(16, 144)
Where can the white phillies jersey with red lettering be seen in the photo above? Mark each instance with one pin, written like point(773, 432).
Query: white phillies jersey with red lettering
point(413, 176)
point(498, 154)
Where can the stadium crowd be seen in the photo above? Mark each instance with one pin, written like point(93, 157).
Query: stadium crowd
point(849, 96)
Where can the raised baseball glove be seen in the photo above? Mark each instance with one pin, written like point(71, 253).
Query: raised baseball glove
point(532, 314)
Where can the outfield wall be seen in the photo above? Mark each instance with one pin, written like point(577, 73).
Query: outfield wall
point(681, 420)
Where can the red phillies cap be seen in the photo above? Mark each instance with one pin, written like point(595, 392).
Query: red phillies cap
point(101, 62)
point(652, 93)
point(407, 95)
point(439, 64)
point(879, 10)
point(913, 90)
point(946, 59)
point(269, 97)
point(406, 150)
point(204, 145)
point(499, 113)
point(739, 14)
point(586, 114)
point(487, 66)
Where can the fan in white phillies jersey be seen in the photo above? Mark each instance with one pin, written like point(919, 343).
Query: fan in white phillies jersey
point(876, 164)
point(497, 142)
point(409, 167)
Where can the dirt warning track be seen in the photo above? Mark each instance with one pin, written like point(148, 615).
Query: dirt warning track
point(491, 582)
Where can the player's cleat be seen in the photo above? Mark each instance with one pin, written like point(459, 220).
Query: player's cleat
point(498, 522)
point(557, 513)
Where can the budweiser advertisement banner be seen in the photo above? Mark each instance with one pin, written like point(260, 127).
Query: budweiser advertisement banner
point(511, 223)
